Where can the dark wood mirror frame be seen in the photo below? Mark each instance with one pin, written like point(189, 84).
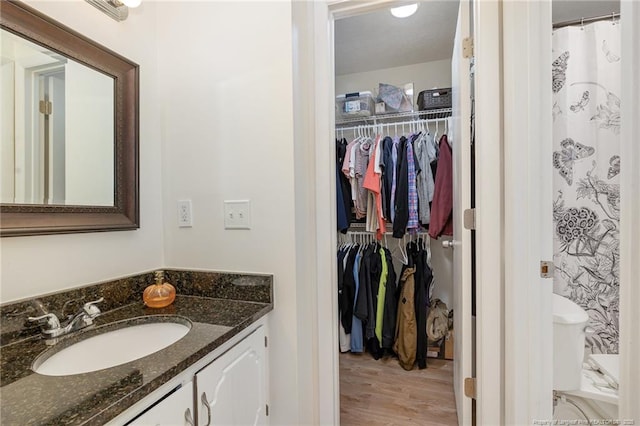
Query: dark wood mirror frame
point(23, 219)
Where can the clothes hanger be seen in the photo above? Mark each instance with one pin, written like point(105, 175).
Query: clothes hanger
point(403, 251)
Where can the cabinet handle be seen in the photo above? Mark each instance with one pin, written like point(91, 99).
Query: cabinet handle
point(188, 418)
point(208, 407)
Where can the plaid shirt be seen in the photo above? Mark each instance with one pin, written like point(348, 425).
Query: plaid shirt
point(413, 191)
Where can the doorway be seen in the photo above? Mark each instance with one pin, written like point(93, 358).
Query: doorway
point(363, 75)
point(510, 40)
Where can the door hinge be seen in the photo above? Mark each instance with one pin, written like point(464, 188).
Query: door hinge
point(265, 341)
point(469, 219)
point(470, 387)
point(267, 409)
point(467, 47)
point(46, 107)
point(546, 269)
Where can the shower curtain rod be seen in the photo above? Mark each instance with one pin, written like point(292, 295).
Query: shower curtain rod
point(583, 21)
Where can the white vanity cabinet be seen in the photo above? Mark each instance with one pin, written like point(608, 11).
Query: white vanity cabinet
point(232, 389)
point(227, 387)
point(176, 409)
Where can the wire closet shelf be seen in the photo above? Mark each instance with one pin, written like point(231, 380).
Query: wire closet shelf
point(365, 237)
point(434, 114)
point(414, 122)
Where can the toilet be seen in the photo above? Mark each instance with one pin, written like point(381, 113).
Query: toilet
point(584, 388)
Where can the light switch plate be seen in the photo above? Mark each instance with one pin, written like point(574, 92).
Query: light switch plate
point(237, 214)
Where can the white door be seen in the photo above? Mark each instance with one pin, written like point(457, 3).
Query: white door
point(232, 389)
point(174, 410)
point(461, 147)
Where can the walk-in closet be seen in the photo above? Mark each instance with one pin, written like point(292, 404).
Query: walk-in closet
point(405, 155)
point(394, 194)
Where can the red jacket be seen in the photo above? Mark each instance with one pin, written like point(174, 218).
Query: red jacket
point(442, 205)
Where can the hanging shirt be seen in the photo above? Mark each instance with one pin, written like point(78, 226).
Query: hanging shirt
point(343, 222)
point(346, 164)
point(442, 207)
point(413, 170)
point(425, 153)
point(372, 182)
point(344, 342)
point(343, 190)
point(394, 174)
point(390, 304)
point(357, 341)
point(382, 289)
point(362, 161)
point(352, 171)
point(387, 176)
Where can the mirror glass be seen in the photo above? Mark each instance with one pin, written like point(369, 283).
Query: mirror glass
point(57, 128)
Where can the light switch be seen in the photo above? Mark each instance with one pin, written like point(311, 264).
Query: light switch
point(237, 214)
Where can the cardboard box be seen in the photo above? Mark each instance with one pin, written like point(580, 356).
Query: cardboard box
point(448, 345)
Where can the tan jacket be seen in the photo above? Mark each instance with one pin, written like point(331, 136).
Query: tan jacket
point(406, 340)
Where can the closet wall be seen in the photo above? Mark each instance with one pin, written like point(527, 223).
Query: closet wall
point(426, 75)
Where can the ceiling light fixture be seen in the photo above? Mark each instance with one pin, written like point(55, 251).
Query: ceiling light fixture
point(131, 3)
point(404, 11)
point(116, 9)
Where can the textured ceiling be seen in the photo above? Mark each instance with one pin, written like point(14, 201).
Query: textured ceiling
point(378, 40)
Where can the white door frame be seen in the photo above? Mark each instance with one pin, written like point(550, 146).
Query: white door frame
point(527, 210)
point(629, 404)
point(496, 203)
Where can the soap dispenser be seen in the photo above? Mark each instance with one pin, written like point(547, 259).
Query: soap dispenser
point(160, 294)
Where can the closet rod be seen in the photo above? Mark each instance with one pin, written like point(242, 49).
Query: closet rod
point(372, 236)
point(390, 125)
point(583, 21)
point(372, 119)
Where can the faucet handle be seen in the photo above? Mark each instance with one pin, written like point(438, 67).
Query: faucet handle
point(50, 319)
point(91, 309)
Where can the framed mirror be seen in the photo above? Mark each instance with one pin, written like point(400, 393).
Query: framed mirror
point(69, 130)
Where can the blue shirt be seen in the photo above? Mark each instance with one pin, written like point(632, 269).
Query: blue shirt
point(357, 341)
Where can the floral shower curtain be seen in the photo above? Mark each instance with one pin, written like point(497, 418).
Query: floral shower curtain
point(586, 127)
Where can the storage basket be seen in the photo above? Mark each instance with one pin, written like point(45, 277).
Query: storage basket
point(434, 99)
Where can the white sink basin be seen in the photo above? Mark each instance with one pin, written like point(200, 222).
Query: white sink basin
point(110, 349)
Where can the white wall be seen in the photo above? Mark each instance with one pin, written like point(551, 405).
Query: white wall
point(216, 123)
point(225, 69)
point(427, 75)
point(44, 264)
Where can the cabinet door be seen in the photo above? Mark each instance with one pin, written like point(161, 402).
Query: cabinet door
point(174, 410)
point(232, 390)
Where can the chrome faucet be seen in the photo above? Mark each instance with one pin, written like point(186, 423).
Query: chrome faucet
point(52, 328)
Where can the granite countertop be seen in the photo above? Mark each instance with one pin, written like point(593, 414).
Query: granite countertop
point(95, 398)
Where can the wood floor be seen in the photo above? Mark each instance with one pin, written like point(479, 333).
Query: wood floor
point(377, 393)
